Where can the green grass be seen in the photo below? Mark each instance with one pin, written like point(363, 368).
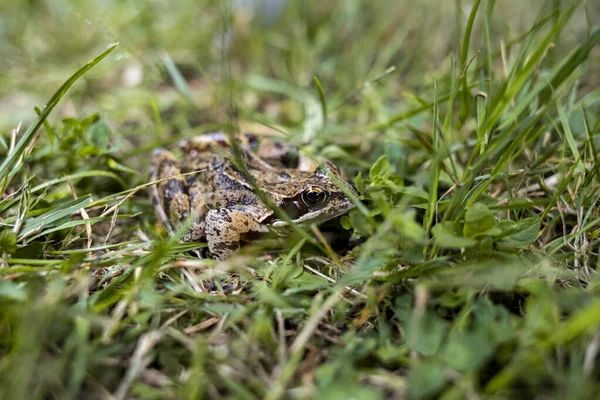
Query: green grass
point(470, 129)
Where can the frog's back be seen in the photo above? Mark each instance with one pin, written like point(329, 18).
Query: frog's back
point(219, 183)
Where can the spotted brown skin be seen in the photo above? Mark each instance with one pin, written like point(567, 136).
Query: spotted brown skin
point(207, 186)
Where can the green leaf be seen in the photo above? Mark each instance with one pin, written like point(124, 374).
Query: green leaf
point(502, 274)
point(262, 326)
point(478, 219)
point(587, 319)
point(322, 98)
point(359, 182)
point(32, 251)
point(464, 54)
point(425, 333)
point(307, 281)
point(112, 163)
point(571, 140)
point(521, 233)
point(447, 236)
point(348, 390)
point(99, 135)
point(177, 77)
point(13, 291)
point(346, 222)
point(493, 319)
point(425, 379)
point(285, 275)
point(403, 308)
point(406, 224)
point(47, 127)
point(8, 241)
point(380, 170)
point(466, 351)
point(390, 354)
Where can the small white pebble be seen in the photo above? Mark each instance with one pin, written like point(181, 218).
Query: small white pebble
point(132, 75)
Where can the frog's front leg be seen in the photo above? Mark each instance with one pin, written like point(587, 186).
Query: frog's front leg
point(171, 202)
point(226, 228)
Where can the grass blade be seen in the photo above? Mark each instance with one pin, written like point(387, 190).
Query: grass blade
point(35, 224)
point(21, 145)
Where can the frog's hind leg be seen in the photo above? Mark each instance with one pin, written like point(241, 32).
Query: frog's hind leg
point(169, 196)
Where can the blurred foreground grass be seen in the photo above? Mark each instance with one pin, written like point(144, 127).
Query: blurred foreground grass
point(473, 271)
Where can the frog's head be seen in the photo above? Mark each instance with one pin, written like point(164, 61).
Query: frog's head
point(313, 197)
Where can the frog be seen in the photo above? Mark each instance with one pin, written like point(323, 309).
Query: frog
point(209, 186)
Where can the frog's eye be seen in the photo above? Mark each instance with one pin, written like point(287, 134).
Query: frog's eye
point(313, 196)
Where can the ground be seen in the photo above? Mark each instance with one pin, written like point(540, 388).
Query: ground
point(467, 268)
